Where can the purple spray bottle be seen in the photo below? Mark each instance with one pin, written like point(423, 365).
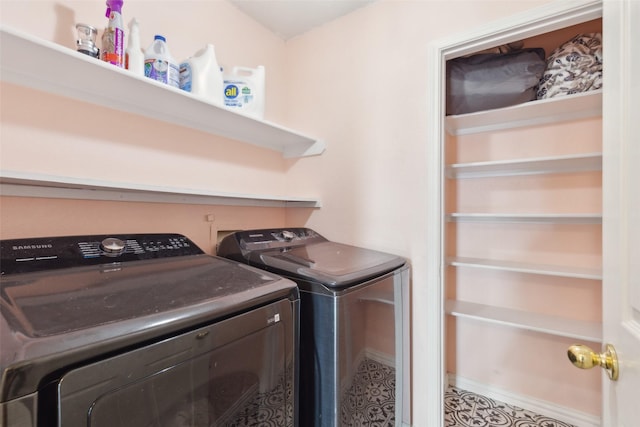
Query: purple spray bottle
point(113, 37)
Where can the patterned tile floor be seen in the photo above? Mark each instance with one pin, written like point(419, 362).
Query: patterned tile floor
point(466, 409)
point(370, 402)
point(268, 409)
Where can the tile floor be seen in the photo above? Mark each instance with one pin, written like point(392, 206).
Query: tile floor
point(466, 409)
point(370, 402)
point(371, 399)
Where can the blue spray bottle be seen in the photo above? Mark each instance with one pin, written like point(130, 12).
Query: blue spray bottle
point(113, 37)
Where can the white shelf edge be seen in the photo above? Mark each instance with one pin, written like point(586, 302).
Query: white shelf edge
point(521, 267)
point(22, 184)
point(533, 113)
point(540, 165)
point(526, 218)
point(552, 325)
point(80, 77)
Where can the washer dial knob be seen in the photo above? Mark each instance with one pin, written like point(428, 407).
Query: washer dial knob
point(112, 246)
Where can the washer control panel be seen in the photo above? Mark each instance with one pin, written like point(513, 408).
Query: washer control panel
point(49, 253)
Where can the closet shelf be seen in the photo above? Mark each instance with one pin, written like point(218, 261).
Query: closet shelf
point(552, 325)
point(526, 218)
point(40, 64)
point(533, 113)
point(542, 165)
point(22, 184)
point(521, 267)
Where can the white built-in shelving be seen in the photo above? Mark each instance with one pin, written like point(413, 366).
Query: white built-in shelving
point(528, 268)
point(542, 112)
point(535, 166)
point(554, 325)
point(39, 64)
point(538, 218)
point(539, 112)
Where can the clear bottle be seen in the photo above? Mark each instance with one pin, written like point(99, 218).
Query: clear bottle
point(86, 41)
point(159, 64)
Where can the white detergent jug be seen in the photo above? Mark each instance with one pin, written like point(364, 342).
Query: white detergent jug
point(244, 90)
point(159, 64)
point(201, 75)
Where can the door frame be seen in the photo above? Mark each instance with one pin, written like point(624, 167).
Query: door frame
point(430, 379)
point(621, 232)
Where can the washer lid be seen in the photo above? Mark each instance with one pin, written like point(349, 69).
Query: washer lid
point(62, 301)
point(332, 264)
point(53, 319)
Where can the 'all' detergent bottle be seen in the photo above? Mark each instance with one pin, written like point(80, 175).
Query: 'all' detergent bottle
point(244, 90)
point(113, 37)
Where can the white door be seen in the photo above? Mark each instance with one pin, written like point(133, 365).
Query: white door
point(621, 226)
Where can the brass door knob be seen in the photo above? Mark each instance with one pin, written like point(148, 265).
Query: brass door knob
point(584, 358)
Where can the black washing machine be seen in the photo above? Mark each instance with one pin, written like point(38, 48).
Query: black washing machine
point(142, 330)
point(354, 324)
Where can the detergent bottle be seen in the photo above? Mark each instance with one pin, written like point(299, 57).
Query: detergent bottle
point(159, 65)
point(244, 90)
point(113, 37)
point(201, 75)
point(134, 57)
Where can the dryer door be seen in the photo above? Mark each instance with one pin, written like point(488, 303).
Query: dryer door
point(235, 372)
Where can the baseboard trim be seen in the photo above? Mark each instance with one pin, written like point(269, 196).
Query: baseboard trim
point(380, 357)
point(543, 407)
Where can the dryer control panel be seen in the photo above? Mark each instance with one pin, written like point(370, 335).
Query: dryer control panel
point(50, 253)
point(273, 238)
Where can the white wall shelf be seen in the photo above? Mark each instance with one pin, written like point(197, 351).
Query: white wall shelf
point(521, 267)
point(533, 113)
point(553, 325)
point(37, 185)
point(526, 218)
point(40, 64)
point(542, 165)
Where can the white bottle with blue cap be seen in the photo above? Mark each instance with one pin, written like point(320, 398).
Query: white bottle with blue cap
point(159, 65)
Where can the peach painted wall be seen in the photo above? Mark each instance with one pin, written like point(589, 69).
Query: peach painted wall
point(49, 134)
point(359, 82)
point(32, 217)
point(57, 136)
point(188, 25)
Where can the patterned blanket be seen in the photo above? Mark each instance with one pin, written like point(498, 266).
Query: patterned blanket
point(574, 67)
